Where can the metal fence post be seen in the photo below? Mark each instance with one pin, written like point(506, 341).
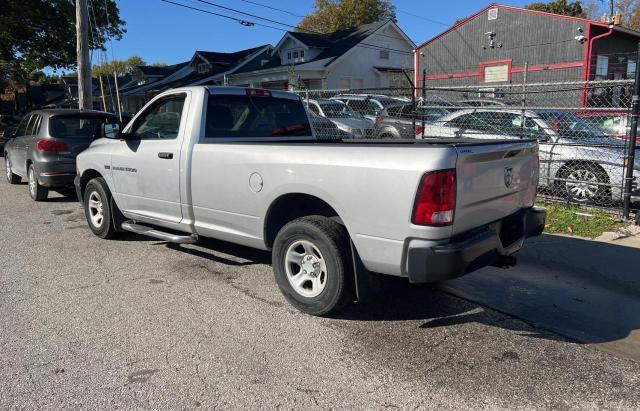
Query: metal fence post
point(424, 97)
point(524, 93)
point(633, 135)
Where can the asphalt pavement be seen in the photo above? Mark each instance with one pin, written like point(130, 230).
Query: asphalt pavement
point(137, 323)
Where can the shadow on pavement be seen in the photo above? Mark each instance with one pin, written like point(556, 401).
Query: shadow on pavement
point(207, 246)
point(586, 290)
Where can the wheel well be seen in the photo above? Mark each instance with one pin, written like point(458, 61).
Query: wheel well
point(291, 206)
point(87, 176)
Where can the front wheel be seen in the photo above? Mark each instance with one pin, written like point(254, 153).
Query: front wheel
point(37, 191)
point(97, 209)
point(312, 265)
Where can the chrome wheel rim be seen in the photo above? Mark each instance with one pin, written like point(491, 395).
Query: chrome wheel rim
point(32, 182)
point(583, 185)
point(306, 268)
point(7, 167)
point(95, 209)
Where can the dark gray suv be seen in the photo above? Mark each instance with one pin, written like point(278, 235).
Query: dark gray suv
point(44, 147)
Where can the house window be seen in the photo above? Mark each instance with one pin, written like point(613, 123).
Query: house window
point(357, 83)
point(203, 68)
point(602, 66)
point(295, 54)
point(289, 55)
point(631, 68)
point(497, 73)
point(384, 54)
point(301, 53)
point(344, 83)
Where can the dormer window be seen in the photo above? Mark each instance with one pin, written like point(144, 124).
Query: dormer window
point(203, 68)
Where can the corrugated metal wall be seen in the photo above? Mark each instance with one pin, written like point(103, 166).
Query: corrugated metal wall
point(519, 36)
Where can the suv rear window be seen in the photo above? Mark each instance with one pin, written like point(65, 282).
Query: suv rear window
point(255, 116)
point(78, 126)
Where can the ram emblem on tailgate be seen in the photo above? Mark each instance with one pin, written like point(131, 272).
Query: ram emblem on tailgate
point(508, 176)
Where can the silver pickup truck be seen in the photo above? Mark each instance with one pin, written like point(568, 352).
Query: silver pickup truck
point(244, 166)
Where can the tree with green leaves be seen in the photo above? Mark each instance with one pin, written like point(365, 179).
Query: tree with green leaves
point(332, 15)
point(35, 34)
point(121, 67)
point(563, 7)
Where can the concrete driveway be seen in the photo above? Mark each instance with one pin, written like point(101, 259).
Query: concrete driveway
point(138, 323)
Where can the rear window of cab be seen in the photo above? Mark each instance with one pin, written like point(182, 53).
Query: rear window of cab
point(255, 116)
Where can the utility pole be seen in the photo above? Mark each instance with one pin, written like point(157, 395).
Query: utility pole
point(85, 101)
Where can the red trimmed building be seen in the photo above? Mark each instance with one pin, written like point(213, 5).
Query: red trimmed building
point(491, 48)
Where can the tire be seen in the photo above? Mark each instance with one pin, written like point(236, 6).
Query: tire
point(97, 208)
point(11, 178)
point(588, 187)
point(316, 248)
point(36, 191)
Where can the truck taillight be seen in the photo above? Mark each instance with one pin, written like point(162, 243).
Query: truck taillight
point(52, 146)
point(258, 92)
point(419, 131)
point(379, 119)
point(436, 199)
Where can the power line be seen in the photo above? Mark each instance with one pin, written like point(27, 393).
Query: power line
point(252, 23)
point(241, 21)
point(272, 8)
point(278, 22)
point(425, 18)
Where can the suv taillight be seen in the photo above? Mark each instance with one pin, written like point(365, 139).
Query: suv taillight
point(419, 131)
point(436, 199)
point(379, 119)
point(52, 146)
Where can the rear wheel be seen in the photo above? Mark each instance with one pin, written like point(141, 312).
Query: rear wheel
point(38, 192)
point(97, 209)
point(312, 265)
point(585, 183)
point(11, 178)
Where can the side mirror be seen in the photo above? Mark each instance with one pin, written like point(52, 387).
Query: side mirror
point(111, 131)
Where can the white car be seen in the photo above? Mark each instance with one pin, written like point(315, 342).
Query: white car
point(576, 159)
point(342, 116)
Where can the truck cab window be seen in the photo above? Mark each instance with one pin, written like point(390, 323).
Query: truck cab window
point(255, 116)
point(161, 121)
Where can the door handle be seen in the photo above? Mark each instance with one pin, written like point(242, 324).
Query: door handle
point(166, 156)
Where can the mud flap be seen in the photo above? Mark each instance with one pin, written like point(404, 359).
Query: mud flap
point(367, 284)
point(116, 216)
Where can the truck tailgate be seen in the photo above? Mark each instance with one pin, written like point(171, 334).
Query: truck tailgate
point(494, 181)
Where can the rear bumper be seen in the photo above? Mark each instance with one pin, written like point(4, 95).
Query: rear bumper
point(55, 173)
point(470, 251)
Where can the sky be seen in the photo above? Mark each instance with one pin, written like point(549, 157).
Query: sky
point(165, 33)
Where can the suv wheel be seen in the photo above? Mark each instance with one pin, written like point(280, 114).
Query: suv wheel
point(37, 191)
point(97, 209)
point(11, 178)
point(312, 265)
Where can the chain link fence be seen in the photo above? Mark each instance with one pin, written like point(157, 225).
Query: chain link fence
point(582, 127)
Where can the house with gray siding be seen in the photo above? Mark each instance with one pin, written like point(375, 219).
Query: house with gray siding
point(495, 46)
